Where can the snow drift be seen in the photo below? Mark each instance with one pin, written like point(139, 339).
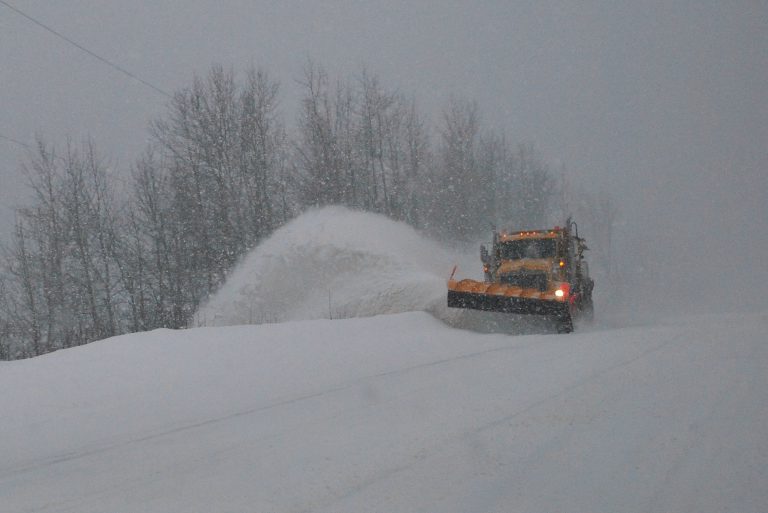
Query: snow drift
point(338, 263)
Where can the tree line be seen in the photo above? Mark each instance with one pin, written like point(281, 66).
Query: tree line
point(94, 256)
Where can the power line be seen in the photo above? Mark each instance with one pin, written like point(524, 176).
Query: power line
point(86, 50)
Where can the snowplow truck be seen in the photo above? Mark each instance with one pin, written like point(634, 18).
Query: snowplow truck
point(538, 272)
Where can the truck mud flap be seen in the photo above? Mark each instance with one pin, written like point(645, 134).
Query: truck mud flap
point(507, 304)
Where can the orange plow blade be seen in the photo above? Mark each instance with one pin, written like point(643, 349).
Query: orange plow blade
point(497, 297)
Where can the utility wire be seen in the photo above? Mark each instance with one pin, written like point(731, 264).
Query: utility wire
point(84, 49)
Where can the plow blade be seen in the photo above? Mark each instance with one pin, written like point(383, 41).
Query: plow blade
point(502, 298)
point(507, 304)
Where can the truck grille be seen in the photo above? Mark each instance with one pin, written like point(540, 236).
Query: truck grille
point(526, 280)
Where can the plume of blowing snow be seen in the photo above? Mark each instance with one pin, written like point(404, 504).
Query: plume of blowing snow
point(334, 262)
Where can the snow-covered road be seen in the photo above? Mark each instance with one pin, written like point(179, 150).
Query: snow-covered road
point(392, 413)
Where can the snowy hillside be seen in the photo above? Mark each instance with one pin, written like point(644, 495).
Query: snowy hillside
point(385, 413)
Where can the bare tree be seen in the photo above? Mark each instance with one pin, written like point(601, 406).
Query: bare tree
point(359, 145)
point(527, 188)
point(62, 286)
point(221, 163)
point(263, 203)
point(462, 182)
point(43, 181)
point(26, 305)
point(323, 152)
point(391, 146)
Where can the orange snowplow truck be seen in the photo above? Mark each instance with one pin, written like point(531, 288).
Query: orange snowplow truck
point(540, 272)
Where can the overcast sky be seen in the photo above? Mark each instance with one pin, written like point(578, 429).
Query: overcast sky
point(662, 103)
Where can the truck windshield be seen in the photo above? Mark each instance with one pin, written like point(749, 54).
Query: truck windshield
point(527, 248)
